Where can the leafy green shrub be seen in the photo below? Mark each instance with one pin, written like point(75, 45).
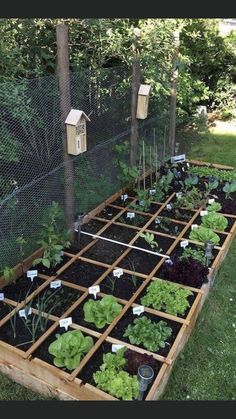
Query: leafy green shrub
point(203, 234)
point(152, 335)
point(216, 206)
point(101, 312)
point(69, 348)
point(171, 298)
point(215, 221)
point(196, 254)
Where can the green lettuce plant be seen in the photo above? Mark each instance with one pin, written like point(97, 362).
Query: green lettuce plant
point(152, 335)
point(215, 221)
point(101, 312)
point(214, 207)
point(69, 348)
point(203, 234)
point(171, 298)
point(204, 171)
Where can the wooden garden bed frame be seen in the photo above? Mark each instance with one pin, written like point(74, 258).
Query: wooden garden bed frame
point(48, 380)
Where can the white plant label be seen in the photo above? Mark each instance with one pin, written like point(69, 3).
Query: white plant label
point(179, 194)
point(65, 322)
point(194, 226)
point(94, 290)
point(188, 164)
point(61, 253)
point(138, 310)
point(211, 200)
point(157, 221)
point(202, 213)
point(152, 191)
point(169, 261)
point(169, 206)
point(116, 347)
point(130, 215)
point(32, 274)
point(118, 272)
point(179, 158)
point(141, 203)
point(184, 243)
point(25, 313)
point(55, 284)
point(124, 197)
point(1, 296)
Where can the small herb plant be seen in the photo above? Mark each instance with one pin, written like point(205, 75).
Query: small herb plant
point(189, 182)
point(127, 175)
point(69, 348)
point(212, 184)
point(214, 207)
point(215, 221)
point(8, 274)
point(168, 297)
point(197, 254)
point(149, 239)
point(152, 335)
point(143, 202)
point(101, 312)
point(229, 188)
point(164, 223)
point(203, 234)
point(190, 199)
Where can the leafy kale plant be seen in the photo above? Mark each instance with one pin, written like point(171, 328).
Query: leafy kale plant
point(229, 188)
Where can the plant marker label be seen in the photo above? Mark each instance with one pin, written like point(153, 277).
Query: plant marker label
point(124, 197)
point(211, 200)
point(25, 313)
point(188, 164)
point(194, 226)
point(130, 215)
point(65, 322)
point(169, 206)
point(55, 284)
point(157, 221)
point(141, 203)
point(184, 243)
point(1, 296)
point(94, 290)
point(179, 194)
point(115, 347)
point(118, 272)
point(32, 274)
point(152, 191)
point(180, 158)
point(202, 213)
point(61, 253)
point(169, 261)
point(138, 310)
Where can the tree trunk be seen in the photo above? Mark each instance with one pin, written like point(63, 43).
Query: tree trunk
point(173, 97)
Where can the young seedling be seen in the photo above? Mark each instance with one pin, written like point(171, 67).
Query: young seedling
point(9, 274)
point(22, 243)
point(149, 238)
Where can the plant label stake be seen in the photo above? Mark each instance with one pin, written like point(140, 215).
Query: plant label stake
point(118, 272)
point(184, 243)
point(179, 194)
point(169, 261)
point(116, 347)
point(211, 200)
point(145, 377)
point(124, 197)
point(61, 253)
point(1, 296)
point(157, 221)
point(169, 206)
point(25, 313)
point(77, 226)
point(65, 322)
point(180, 158)
point(55, 284)
point(202, 213)
point(141, 203)
point(152, 191)
point(130, 215)
point(194, 226)
point(94, 290)
point(138, 310)
point(32, 274)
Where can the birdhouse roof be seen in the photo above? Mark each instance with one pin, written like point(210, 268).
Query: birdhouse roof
point(144, 89)
point(74, 116)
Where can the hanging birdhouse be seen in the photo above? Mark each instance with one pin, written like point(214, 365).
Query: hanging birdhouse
point(143, 98)
point(76, 132)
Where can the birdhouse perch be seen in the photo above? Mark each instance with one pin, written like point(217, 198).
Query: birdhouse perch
point(76, 132)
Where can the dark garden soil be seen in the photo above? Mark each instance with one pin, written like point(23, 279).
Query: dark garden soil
point(231, 221)
point(178, 251)
point(42, 351)
point(164, 225)
point(163, 242)
point(108, 213)
point(123, 287)
point(119, 233)
point(56, 301)
point(128, 318)
point(86, 374)
point(22, 288)
point(5, 309)
point(52, 270)
point(93, 226)
point(104, 251)
point(177, 214)
point(222, 237)
point(138, 220)
point(81, 241)
point(190, 299)
point(82, 273)
point(139, 261)
point(23, 339)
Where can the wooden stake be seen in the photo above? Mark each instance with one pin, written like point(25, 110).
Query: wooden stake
point(175, 74)
point(134, 101)
point(144, 180)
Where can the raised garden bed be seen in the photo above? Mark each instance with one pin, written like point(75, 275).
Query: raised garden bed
point(94, 261)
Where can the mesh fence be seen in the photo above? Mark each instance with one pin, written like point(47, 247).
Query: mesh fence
point(32, 171)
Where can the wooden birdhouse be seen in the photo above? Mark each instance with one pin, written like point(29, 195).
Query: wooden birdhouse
point(76, 132)
point(143, 98)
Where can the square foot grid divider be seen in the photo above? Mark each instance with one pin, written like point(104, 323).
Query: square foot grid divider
point(29, 369)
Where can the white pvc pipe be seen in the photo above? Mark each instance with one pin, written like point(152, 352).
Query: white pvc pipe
point(125, 244)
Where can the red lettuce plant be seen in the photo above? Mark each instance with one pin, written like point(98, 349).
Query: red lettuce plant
point(135, 359)
point(228, 207)
point(186, 271)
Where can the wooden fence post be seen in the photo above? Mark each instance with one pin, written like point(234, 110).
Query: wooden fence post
point(65, 106)
point(175, 74)
point(134, 101)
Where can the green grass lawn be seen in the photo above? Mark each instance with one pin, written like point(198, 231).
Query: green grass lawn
point(206, 368)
